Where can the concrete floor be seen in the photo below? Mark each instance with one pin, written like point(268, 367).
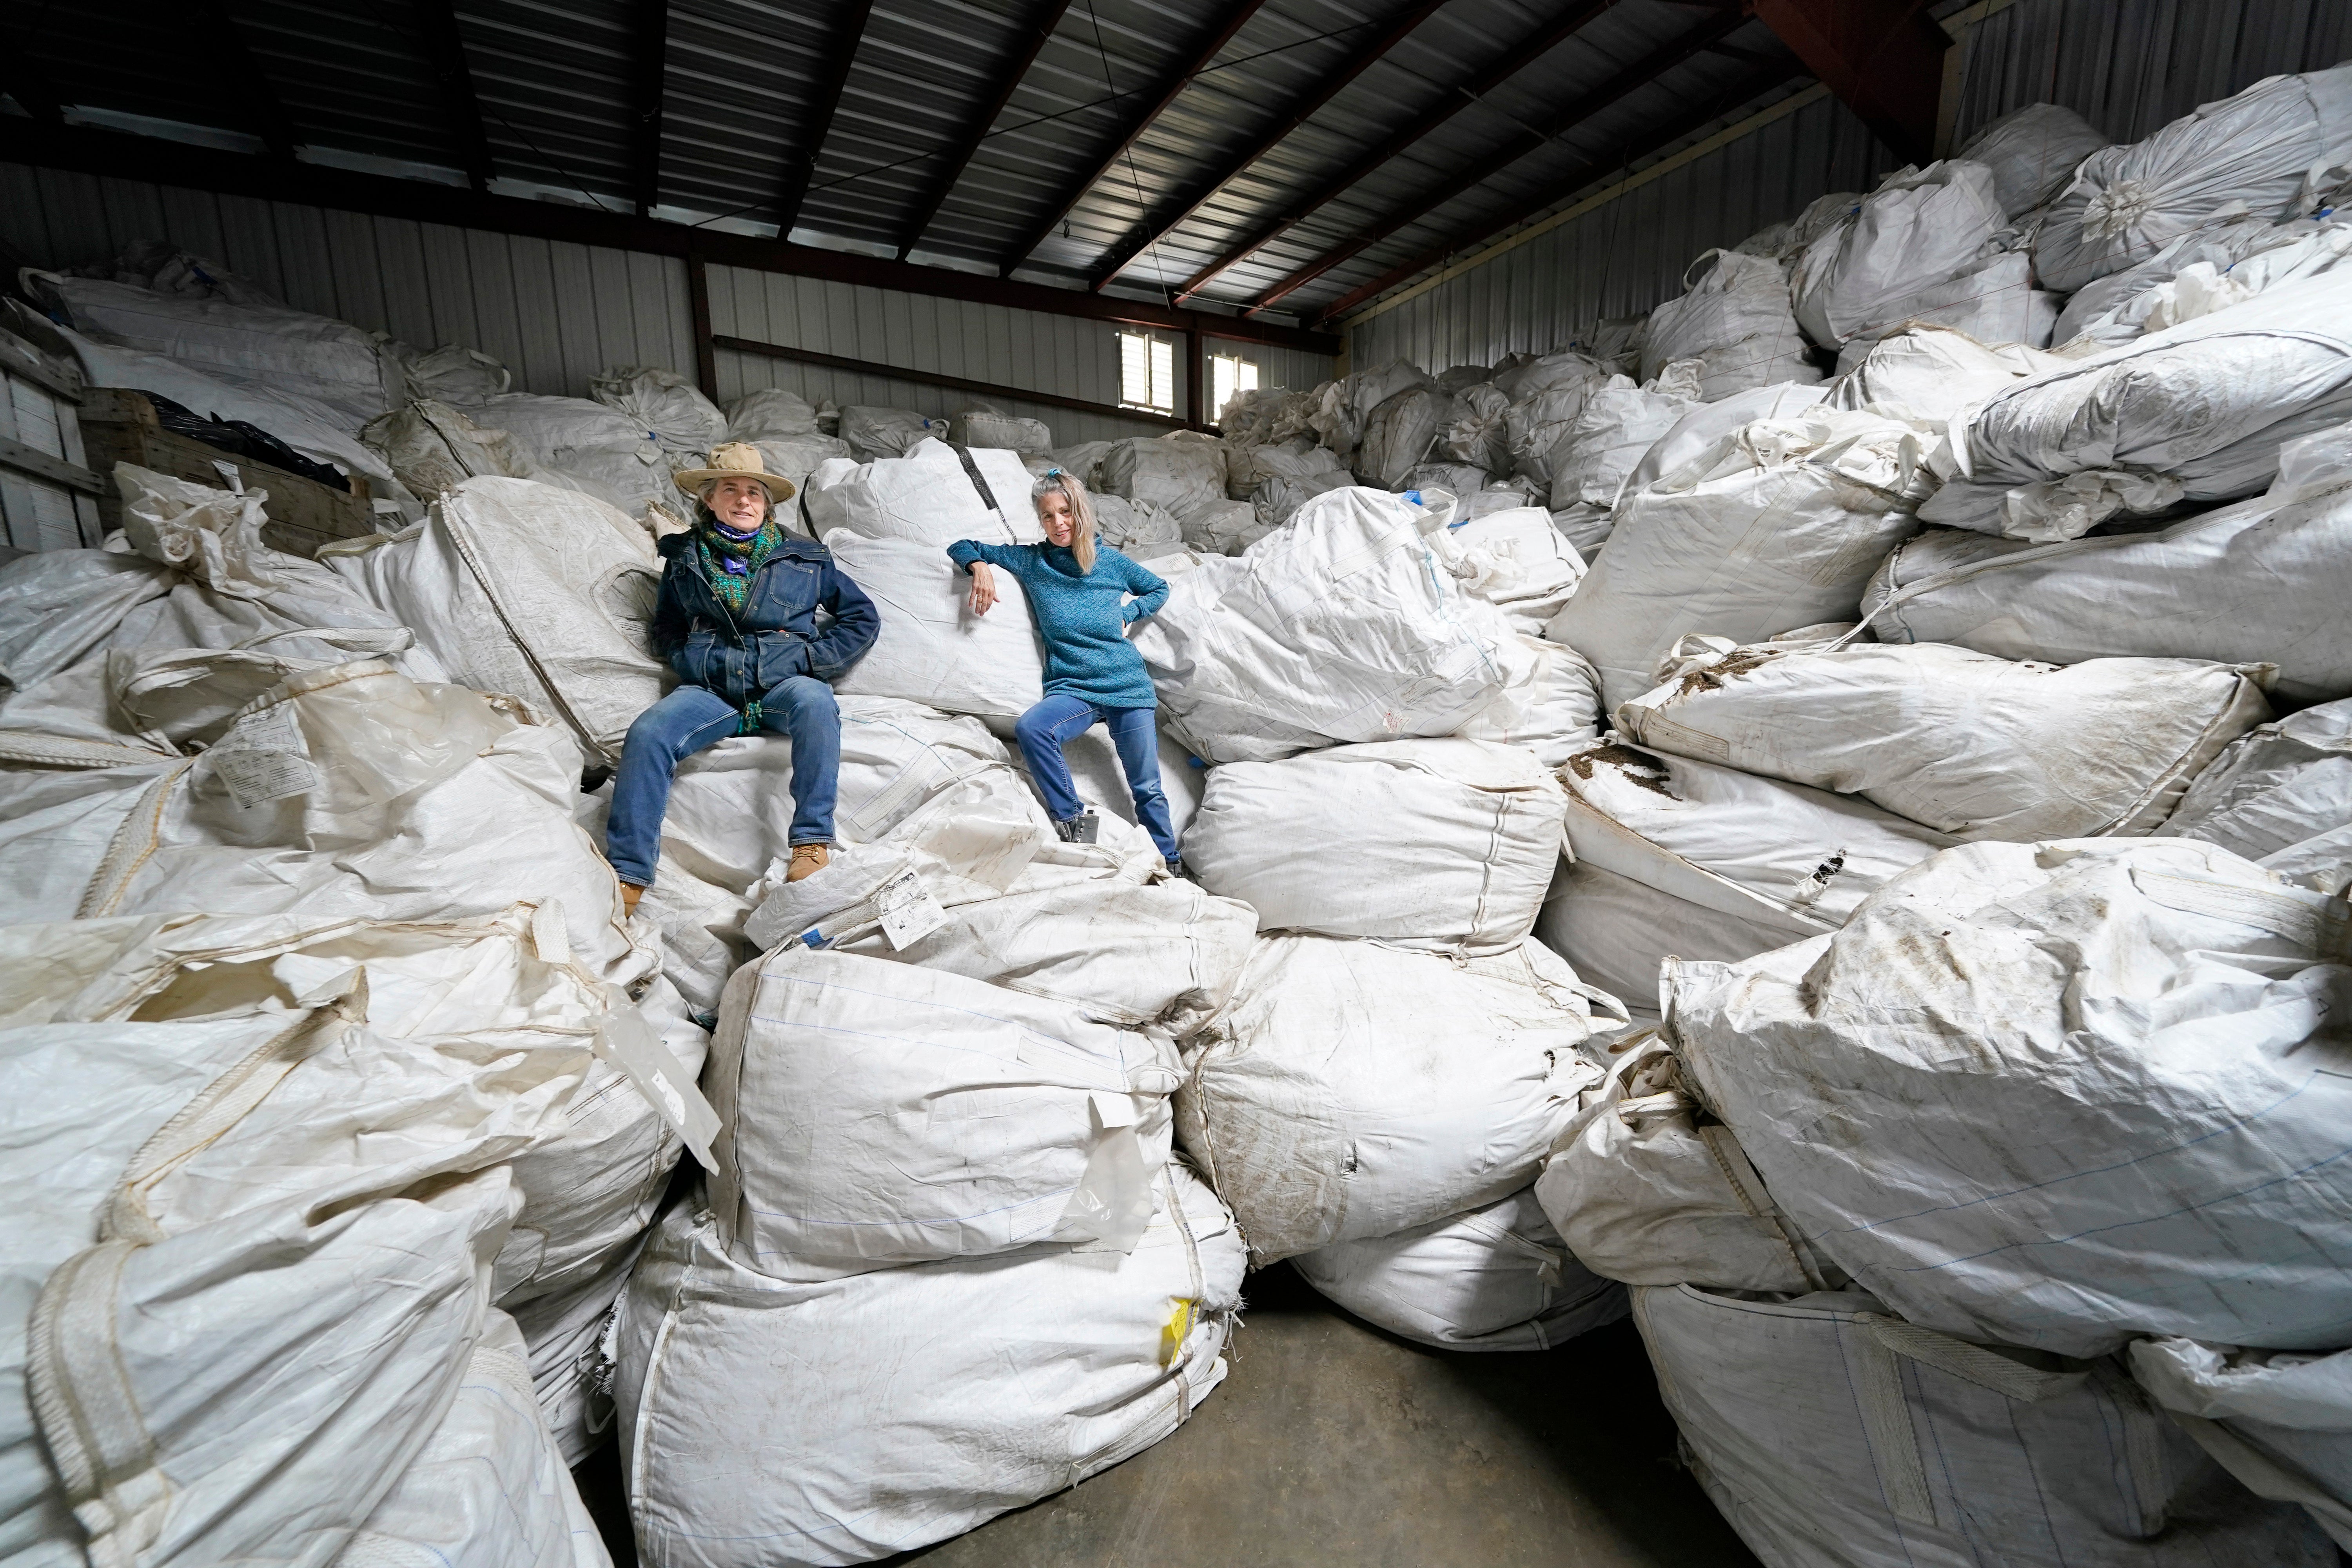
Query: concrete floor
point(1332, 1442)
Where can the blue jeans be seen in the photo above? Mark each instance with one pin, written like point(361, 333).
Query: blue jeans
point(1045, 729)
point(691, 719)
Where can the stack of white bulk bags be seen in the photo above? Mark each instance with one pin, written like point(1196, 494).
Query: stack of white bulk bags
point(2256, 148)
point(664, 402)
point(1445, 843)
point(531, 592)
point(1344, 626)
point(2197, 411)
point(2262, 582)
point(434, 448)
point(1926, 374)
point(1289, 474)
point(1778, 525)
point(1182, 472)
point(2282, 797)
point(1920, 230)
point(2033, 152)
point(1546, 398)
point(1344, 408)
point(1734, 319)
point(1618, 423)
point(1966, 743)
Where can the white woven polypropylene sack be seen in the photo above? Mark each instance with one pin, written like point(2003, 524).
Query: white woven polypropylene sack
point(766, 1423)
point(874, 434)
point(1353, 1090)
point(1618, 423)
point(925, 497)
point(1478, 428)
point(1778, 525)
point(1551, 400)
point(554, 426)
point(2033, 152)
point(1966, 743)
point(2056, 1095)
point(1399, 434)
point(1344, 626)
point(2282, 797)
point(988, 428)
point(880, 1113)
point(457, 374)
point(1182, 472)
point(663, 402)
point(2255, 148)
point(1497, 1279)
point(1994, 302)
point(1444, 844)
point(1926, 374)
point(769, 413)
point(932, 649)
point(1834, 1435)
point(1736, 319)
point(528, 591)
point(1517, 560)
point(1920, 227)
point(1616, 931)
point(1550, 704)
point(1704, 423)
point(2280, 1422)
point(563, 1337)
point(2197, 411)
point(1648, 1186)
point(2265, 581)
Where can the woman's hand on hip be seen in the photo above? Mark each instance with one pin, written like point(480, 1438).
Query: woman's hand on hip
point(983, 589)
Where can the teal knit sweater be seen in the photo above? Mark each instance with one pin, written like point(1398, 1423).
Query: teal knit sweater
point(1082, 618)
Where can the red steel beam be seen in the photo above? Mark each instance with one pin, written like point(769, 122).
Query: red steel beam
point(1640, 74)
point(1883, 59)
point(1175, 83)
point(1153, 230)
point(1048, 17)
point(848, 29)
point(1752, 86)
point(1519, 56)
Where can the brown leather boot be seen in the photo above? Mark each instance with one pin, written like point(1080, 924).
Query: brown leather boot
point(630, 894)
point(808, 859)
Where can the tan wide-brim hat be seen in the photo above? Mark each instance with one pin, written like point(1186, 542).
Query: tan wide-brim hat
point(735, 460)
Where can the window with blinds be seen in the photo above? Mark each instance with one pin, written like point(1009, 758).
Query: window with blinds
point(1228, 375)
point(1147, 373)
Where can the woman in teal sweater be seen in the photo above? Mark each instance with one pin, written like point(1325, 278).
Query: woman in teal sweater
point(1078, 593)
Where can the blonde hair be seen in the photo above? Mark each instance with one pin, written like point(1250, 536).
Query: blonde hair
point(1084, 529)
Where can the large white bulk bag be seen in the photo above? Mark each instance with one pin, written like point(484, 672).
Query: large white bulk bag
point(1834, 1435)
point(1346, 626)
point(1444, 844)
point(768, 412)
point(2255, 148)
point(874, 434)
point(528, 591)
point(434, 448)
point(1919, 227)
point(1779, 525)
point(2107, 1109)
point(991, 427)
point(2033, 153)
point(663, 402)
point(1993, 302)
point(490, 1489)
point(1618, 423)
point(2279, 1421)
point(1734, 320)
point(1550, 704)
point(554, 426)
point(1219, 527)
point(1551, 399)
point(765, 1422)
point(1966, 743)
point(1704, 423)
point(1497, 1279)
point(931, 649)
point(1926, 373)
point(1180, 471)
point(1514, 559)
point(2197, 411)
point(879, 1113)
point(2265, 581)
point(1478, 428)
point(1354, 1090)
point(357, 374)
point(1344, 408)
point(925, 497)
point(1647, 1185)
point(1399, 433)
point(563, 1334)
point(1616, 931)
point(1138, 529)
point(2282, 797)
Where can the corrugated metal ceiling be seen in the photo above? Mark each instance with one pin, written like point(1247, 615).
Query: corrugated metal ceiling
point(556, 82)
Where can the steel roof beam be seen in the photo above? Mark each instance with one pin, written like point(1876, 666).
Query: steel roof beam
point(1519, 56)
point(217, 39)
point(1883, 59)
point(1753, 85)
point(649, 62)
point(1638, 74)
point(444, 54)
point(1176, 82)
point(849, 30)
point(1155, 229)
point(958, 154)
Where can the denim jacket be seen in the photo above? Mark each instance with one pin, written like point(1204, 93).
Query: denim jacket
point(741, 655)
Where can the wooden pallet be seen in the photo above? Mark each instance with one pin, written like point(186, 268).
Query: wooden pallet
point(119, 427)
point(49, 495)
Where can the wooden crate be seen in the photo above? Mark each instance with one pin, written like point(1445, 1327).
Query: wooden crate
point(119, 427)
point(49, 495)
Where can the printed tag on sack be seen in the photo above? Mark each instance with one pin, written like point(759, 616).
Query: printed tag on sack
point(265, 758)
point(908, 911)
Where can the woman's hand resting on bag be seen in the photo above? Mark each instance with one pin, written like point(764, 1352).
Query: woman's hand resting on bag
point(983, 589)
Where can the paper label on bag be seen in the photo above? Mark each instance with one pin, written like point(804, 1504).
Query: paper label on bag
point(265, 758)
point(908, 911)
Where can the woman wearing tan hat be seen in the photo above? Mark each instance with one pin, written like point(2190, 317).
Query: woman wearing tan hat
point(737, 620)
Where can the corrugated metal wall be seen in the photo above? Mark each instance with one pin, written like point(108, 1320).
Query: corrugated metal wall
point(555, 313)
point(558, 313)
point(2127, 65)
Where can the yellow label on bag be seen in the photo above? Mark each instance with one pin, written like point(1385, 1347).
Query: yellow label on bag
point(1176, 1330)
